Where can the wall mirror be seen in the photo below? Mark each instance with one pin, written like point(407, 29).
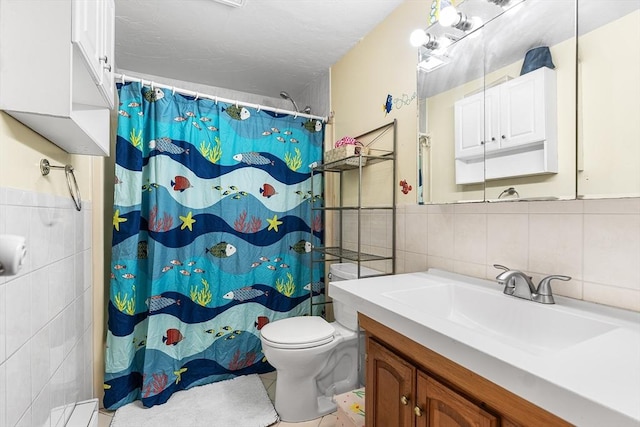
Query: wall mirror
point(608, 158)
point(594, 121)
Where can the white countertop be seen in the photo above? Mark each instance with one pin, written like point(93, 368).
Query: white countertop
point(595, 382)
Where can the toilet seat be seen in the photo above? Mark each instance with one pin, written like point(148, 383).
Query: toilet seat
point(298, 332)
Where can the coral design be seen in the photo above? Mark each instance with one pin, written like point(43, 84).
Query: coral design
point(124, 304)
point(157, 224)
point(158, 383)
point(286, 288)
point(213, 154)
point(316, 225)
point(293, 162)
point(202, 296)
point(240, 224)
point(238, 363)
point(136, 139)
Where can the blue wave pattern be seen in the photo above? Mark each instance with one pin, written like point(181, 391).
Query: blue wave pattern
point(212, 230)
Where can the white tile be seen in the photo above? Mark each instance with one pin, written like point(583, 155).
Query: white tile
point(508, 240)
point(87, 317)
point(18, 384)
point(612, 250)
point(556, 244)
point(469, 269)
point(56, 345)
point(68, 280)
point(400, 231)
point(57, 235)
point(57, 397)
point(312, 423)
point(40, 358)
point(39, 299)
point(70, 372)
point(415, 262)
point(508, 208)
point(440, 262)
point(440, 209)
point(609, 295)
point(18, 313)
point(68, 320)
point(79, 266)
point(41, 407)
point(79, 220)
point(26, 420)
point(69, 231)
point(440, 238)
point(40, 236)
point(3, 394)
point(612, 206)
point(558, 206)
point(571, 289)
point(470, 238)
point(3, 324)
point(416, 233)
point(470, 208)
point(104, 420)
point(57, 283)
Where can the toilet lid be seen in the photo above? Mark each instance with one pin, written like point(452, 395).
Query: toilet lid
point(298, 332)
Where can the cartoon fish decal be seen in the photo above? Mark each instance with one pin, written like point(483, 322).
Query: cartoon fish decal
point(226, 193)
point(143, 249)
point(158, 302)
point(124, 113)
point(221, 250)
point(261, 321)
point(281, 139)
point(167, 268)
point(153, 95)
point(175, 262)
point(133, 105)
point(275, 130)
point(218, 187)
point(198, 270)
point(141, 113)
point(142, 343)
point(205, 119)
point(302, 247)
point(237, 197)
point(128, 276)
point(386, 107)
point(180, 183)
point(172, 337)
point(237, 113)
point(283, 265)
point(219, 334)
point(166, 145)
point(264, 259)
point(266, 133)
point(271, 267)
point(191, 263)
point(287, 132)
point(179, 119)
point(315, 287)
point(196, 125)
point(190, 114)
point(277, 259)
point(267, 190)
point(230, 337)
point(119, 267)
point(227, 328)
point(244, 294)
point(212, 128)
point(185, 273)
point(237, 332)
point(293, 141)
point(313, 125)
point(210, 331)
point(253, 158)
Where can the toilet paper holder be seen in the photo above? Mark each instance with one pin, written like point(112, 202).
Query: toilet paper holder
point(74, 190)
point(13, 251)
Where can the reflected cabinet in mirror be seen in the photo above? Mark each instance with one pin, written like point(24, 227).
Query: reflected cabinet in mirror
point(511, 104)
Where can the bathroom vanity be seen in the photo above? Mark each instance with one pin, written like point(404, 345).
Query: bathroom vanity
point(446, 349)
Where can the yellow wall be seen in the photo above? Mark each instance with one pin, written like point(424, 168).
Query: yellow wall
point(382, 63)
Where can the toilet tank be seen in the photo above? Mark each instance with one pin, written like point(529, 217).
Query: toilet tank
point(347, 316)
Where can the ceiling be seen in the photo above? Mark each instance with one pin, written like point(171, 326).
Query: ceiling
point(264, 47)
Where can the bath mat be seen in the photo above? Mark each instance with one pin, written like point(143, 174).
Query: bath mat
point(241, 401)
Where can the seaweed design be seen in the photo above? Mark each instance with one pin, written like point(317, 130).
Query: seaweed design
point(136, 139)
point(316, 224)
point(213, 154)
point(202, 296)
point(238, 363)
point(124, 304)
point(294, 162)
point(241, 224)
point(287, 288)
point(158, 383)
point(157, 224)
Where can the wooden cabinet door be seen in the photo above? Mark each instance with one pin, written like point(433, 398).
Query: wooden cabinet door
point(389, 400)
point(442, 407)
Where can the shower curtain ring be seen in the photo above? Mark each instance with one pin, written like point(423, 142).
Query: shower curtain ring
point(237, 106)
point(122, 79)
point(197, 96)
point(259, 108)
point(152, 83)
point(215, 99)
point(173, 90)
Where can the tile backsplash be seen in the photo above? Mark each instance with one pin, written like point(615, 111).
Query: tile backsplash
point(46, 310)
point(596, 242)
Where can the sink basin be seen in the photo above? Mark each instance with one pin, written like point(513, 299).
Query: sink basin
point(537, 328)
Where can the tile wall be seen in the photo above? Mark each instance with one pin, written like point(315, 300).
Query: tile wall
point(46, 311)
point(596, 242)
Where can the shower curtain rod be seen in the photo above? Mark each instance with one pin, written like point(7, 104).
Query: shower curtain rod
point(123, 78)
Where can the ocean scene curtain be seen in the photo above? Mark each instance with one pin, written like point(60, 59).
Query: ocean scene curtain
point(212, 238)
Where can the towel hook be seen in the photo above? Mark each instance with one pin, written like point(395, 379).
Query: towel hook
point(74, 190)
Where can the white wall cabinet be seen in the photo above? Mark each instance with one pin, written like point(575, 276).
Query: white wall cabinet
point(56, 75)
point(509, 130)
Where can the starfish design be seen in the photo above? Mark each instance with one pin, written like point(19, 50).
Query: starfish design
point(273, 223)
point(117, 220)
point(187, 221)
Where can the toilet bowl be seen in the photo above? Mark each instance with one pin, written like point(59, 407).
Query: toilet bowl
point(314, 359)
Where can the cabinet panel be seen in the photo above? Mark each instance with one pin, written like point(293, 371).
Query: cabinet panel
point(469, 122)
point(390, 385)
point(522, 109)
point(87, 33)
point(446, 408)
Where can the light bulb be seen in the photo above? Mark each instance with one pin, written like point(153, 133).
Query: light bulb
point(418, 38)
point(449, 16)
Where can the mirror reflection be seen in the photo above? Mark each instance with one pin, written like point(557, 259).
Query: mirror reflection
point(608, 99)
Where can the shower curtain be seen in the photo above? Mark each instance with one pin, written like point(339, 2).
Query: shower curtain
point(212, 237)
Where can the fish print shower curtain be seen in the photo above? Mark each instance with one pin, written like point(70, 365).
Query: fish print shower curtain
point(212, 238)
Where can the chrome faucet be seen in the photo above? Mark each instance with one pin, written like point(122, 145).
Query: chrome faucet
point(518, 284)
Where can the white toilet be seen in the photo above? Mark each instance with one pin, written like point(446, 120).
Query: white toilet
point(314, 359)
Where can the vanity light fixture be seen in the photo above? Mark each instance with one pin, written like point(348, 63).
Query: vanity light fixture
point(501, 3)
point(431, 63)
point(429, 41)
point(452, 17)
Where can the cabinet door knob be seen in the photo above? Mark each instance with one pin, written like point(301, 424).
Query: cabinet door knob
point(493, 138)
point(107, 67)
point(417, 411)
point(504, 137)
point(104, 59)
point(404, 400)
point(481, 142)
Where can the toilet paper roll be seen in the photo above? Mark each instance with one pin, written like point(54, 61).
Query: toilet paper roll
point(13, 251)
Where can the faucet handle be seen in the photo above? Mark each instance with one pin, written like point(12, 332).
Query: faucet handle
point(544, 288)
point(500, 267)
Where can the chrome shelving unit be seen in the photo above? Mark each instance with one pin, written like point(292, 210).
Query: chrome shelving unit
point(338, 253)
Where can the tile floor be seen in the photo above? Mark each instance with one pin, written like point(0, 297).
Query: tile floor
point(269, 381)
